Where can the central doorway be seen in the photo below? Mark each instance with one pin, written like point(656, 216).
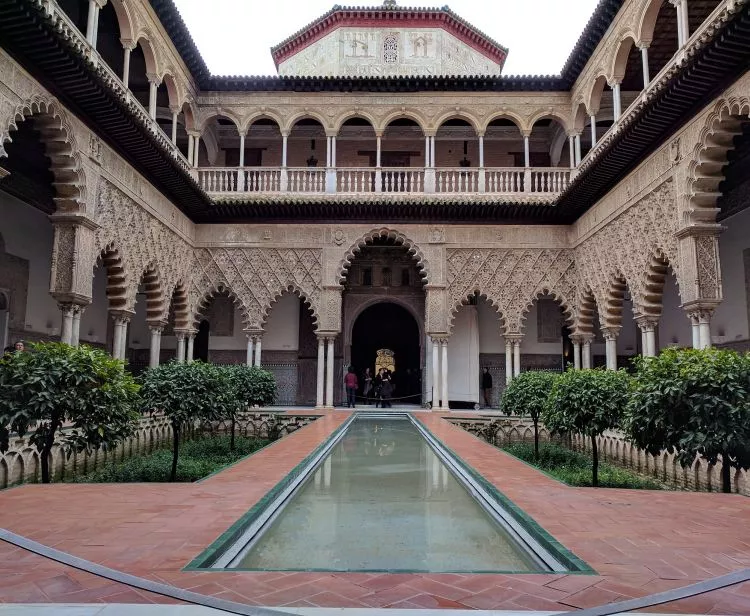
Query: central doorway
point(386, 326)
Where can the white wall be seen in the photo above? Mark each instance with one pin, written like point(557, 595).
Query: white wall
point(28, 234)
point(282, 326)
point(674, 325)
point(94, 320)
point(730, 321)
point(463, 356)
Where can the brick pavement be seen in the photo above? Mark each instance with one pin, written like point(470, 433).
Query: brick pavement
point(639, 542)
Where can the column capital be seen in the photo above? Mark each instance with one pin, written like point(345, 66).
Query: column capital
point(614, 82)
point(513, 337)
point(154, 79)
point(440, 338)
point(326, 336)
point(647, 323)
point(121, 316)
point(698, 315)
point(157, 326)
point(572, 134)
point(330, 132)
point(100, 3)
point(194, 133)
point(526, 133)
point(611, 332)
point(643, 45)
point(128, 44)
point(181, 334)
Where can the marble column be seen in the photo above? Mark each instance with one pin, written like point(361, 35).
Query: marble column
point(444, 375)
point(435, 373)
point(76, 334)
point(644, 65)
point(586, 359)
point(66, 330)
point(190, 347)
point(258, 344)
point(92, 22)
point(119, 350)
point(175, 116)
point(329, 373)
point(319, 401)
point(576, 352)
point(180, 347)
point(155, 346)
point(517, 357)
point(526, 153)
point(594, 137)
point(610, 338)
point(700, 320)
point(127, 48)
point(572, 150)
point(647, 326)
point(153, 84)
point(250, 345)
point(508, 360)
point(616, 100)
point(578, 149)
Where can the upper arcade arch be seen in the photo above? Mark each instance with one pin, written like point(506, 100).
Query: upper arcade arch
point(124, 19)
point(405, 114)
point(647, 22)
point(353, 115)
point(459, 115)
point(620, 59)
point(294, 120)
point(503, 115)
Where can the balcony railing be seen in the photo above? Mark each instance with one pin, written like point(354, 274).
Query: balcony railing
point(539, 181)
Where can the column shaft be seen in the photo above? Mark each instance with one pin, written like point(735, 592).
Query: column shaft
point(508, 361)
point(284, 149)
point(592, 118)
point(191, 145)
point(180, 348)
point(586, 355)
point(66, 331)
point(704, 328)
point(242, 151)
point(190, 347)
point(645, 68)
point(174, 127)
point(435, 373)
point(152, 99)
point(91, 23)
point(572, 150)
point(611, 349)
point(321, 372)
point(481, 150)
point(76, 335)
point(616, 101)
point(685, 21)
point(526, 153)
point(432, 151)
point(516, 357)
point(126, 66)
point(329, 374)
point(258, 344)
point(153, 357)
point(249, 355)
point(577, 355)
point(378, 146)
point(196, 150)
point(444, 376)
point(578, 149)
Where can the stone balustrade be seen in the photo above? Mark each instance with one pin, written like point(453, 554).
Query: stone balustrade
point(541, 181)
point(613, 448)
point(21, 463)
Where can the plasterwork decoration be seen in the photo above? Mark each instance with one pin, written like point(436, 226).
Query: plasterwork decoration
point(511, 280)
point(437, 314)
point(709, 276)
point(56, 132)
point(627, 248)
point(256, 277)
point(143, 243)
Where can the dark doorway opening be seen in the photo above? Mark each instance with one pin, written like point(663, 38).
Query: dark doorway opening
point(389, 326)
point(200, 347)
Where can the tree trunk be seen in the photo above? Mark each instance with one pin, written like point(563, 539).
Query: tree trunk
point(726, 475)
point(536, 439)
point(595, 455)
point(175, 450)
point(47, 450)
point(231, 438)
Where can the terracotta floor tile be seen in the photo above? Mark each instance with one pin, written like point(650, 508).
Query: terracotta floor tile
point(639, 542)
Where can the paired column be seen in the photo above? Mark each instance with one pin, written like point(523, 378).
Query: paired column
point(429, 164)
point(326, 365)
point(647, 325)
point(155, 346)
point(512, 350)
point(440, 372)
point(254, 347)
point(331, 164)
point(610, 340)
point(683, 24)
point(194, 139)
point(508, 360)
point(120, 340)
point(700, 319)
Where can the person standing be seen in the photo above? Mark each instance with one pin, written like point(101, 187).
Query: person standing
point(351, 383)
point(386, 391)
point(367, 378)
point(487, 387)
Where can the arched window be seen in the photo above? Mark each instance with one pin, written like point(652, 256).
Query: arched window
point(390, 49)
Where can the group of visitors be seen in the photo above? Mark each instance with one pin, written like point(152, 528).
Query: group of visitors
point(379, 388)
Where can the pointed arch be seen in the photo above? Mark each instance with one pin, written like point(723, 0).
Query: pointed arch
point(586, 314)
point(477, 292)
point(652, 294)
point(566, 305)
point(615, 293)
point(58, 137)
point(180, 306)
point(706, 169)
point(117, 281)
point(399, 238)
point(205, 297)
point(155, 300)
point(290, 289)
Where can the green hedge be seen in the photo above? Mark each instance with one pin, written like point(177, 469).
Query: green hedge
point(198, 459)
point(574, 468)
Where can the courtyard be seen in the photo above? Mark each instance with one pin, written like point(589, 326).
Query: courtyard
point(638, 542)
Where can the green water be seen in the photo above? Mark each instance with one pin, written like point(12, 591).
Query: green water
point(382, 500)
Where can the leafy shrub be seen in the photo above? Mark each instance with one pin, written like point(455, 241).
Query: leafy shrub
point(574, 468)
point(527, 394)
point(186, 393)
point(251, 386)
point(55, 384)
point(199, 458)
point(695, 403)
point(588, 402)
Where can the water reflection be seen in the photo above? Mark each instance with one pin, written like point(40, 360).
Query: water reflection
point(384, 500)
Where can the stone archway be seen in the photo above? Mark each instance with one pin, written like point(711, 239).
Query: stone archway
point(389, 325)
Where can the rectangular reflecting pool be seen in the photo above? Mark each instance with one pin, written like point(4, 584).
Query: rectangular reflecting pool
point(383, 495)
